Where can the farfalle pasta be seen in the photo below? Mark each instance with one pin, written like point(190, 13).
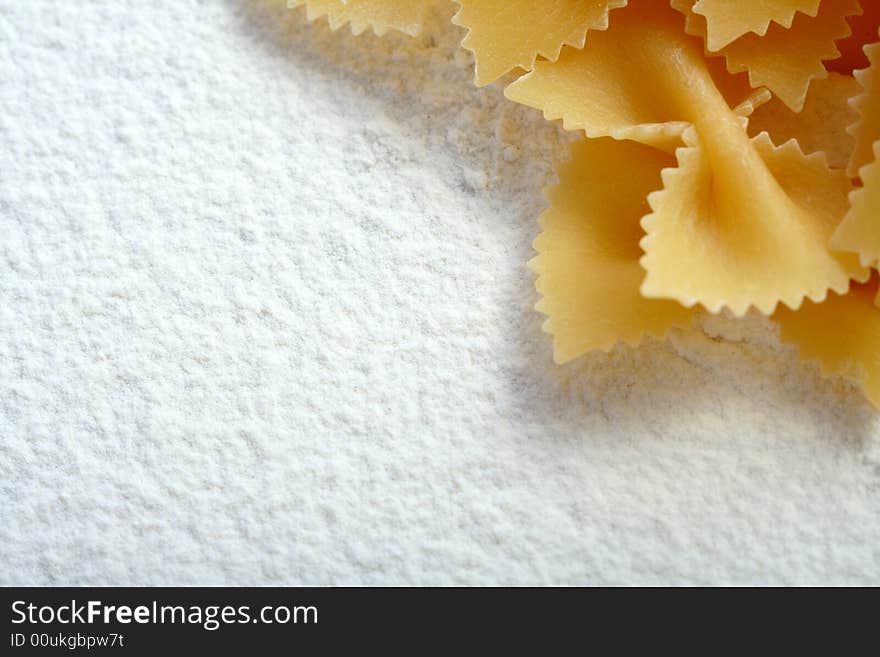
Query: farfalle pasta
point(588, 267)
point(380, 15)
point(509, 34)
point(821, 126)
point(785, 60)
point(728, 20)
point(860, 230)
point(739, 223)
point(730, 161)
point(842, 334)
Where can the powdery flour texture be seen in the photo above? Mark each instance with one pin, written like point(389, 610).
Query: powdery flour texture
point(265, 318)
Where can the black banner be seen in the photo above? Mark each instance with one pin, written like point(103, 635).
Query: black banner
point(138, 621)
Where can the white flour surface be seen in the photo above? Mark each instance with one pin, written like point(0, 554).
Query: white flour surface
point(265, 318)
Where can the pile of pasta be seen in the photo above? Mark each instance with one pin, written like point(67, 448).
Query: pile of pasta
point(730, 161)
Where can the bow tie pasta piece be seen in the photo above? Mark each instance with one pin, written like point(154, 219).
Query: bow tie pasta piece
point(864, 29)
point(742, 223)
point(679, 195)
point(381, 15)
point(867, 129)
point(727, 20)
point(588, 253)
point(785, 60)
point(821, 126)
point(739, 223)
point(842, 333)
point(860, 230)
point(625, 82)
point(595, 94)
point(506, 34)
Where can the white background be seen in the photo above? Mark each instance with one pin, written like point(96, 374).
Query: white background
point(265, 318)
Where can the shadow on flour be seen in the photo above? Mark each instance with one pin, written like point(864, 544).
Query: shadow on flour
point(694, 379)
point(707, 387)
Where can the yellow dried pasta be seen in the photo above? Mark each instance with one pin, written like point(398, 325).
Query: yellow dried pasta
point(842, 334)
point(722, 165)
point(860, 230)
point(730, 19)
point(821, 126)
point(739, 222)
point(867, 129)
point(509, 34)
point(863, 28)
point(610, 88)
point(736, 233)
point(784, 59)
point(588, 253)
point(380, 15)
